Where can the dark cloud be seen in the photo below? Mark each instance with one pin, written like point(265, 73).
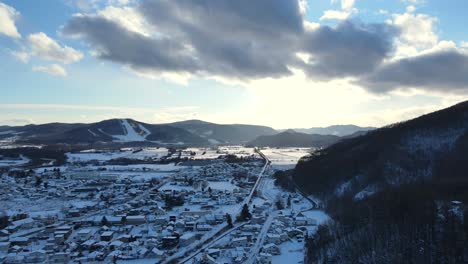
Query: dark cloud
point(350, 49)
point(438, 71)
point(118, 44)
point(239, 39)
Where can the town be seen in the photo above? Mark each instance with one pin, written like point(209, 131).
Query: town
point(155, 205)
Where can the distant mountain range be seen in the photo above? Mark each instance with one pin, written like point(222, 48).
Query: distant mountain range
point(336, 130)
point(291, 138)
point(192, 132)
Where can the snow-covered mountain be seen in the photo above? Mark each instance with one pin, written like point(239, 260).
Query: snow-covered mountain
point(433, 146)
point(192, 132)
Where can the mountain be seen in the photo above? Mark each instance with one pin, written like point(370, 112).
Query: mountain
point(400, 153)
point(216, 133)
point(291, 138)
point(191, 132)
point(397, 194)
point(107, 131)
point(337, 130)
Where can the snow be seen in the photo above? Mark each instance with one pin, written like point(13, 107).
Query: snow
point(319, 215)
point(222, 185)
point(285, 158)
point(291, 252)
point(130, 134)
point(92, 133)
point(368, 191)
point(7, 162)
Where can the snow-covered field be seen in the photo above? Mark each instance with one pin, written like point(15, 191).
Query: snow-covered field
point(89, 155)
point(285, 158)
point(7, 162)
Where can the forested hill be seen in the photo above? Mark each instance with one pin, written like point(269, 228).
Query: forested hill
point(397, 194)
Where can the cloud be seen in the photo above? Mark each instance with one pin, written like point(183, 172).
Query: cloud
point(46, 48)
point(8, 15)
point(417, 30)
point(350, 49)
point(335, 15)
point(347, 9)
point(53, 69)
point(22, 56)
point(440, 71)
point(238, 39)
point(16, 122)
point(230, 39)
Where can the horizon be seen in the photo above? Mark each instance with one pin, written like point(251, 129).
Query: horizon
point(186, 120)
point(299, 64)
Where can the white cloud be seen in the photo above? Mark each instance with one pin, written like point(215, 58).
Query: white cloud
point(53, 69)
point(347, 4)
point(335, 15)
point(8, 15)
point(21, 56)
point(417, 30)
point(347, 9)
point(48, 49)
point(414, 2)
point(128, 18)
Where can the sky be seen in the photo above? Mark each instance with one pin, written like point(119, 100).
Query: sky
point(280, 63)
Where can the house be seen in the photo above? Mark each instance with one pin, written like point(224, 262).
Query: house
point(271, 249)
point(136, 219)
point(59, 258)
point(202, 227)
point(14, 258)
point(214, 252)
point(264, 258)
point(304, 221)
point(24, 223)
point(4, 235)
point(38, 256)
point(169, 241)
point(239, 242)
point(19, 241)
point(156, 253)
point(4, 246)
point(84, 234)
point(273, 238)
point(107, 236)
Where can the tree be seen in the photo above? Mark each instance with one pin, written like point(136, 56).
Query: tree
point(245, 213)
point(3, 220)
point(279, 203)
point(104, 221)
point(38, 181)
point(229, 219)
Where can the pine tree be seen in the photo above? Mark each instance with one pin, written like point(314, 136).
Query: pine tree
point(245, 213)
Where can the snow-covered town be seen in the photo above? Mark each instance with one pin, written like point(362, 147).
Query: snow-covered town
point(155, 205)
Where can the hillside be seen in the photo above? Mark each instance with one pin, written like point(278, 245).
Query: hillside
point(414, 150)
point(397, 194)
point(107, 131)
point(291, 138)
point(127, 130)
point(216, 133)
point(337, 130)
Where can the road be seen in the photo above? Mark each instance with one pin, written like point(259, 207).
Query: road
point(261, 238)
point(195, 247)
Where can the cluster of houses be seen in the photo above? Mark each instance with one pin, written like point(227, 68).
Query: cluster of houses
point(110, 218)
point(286, 226)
